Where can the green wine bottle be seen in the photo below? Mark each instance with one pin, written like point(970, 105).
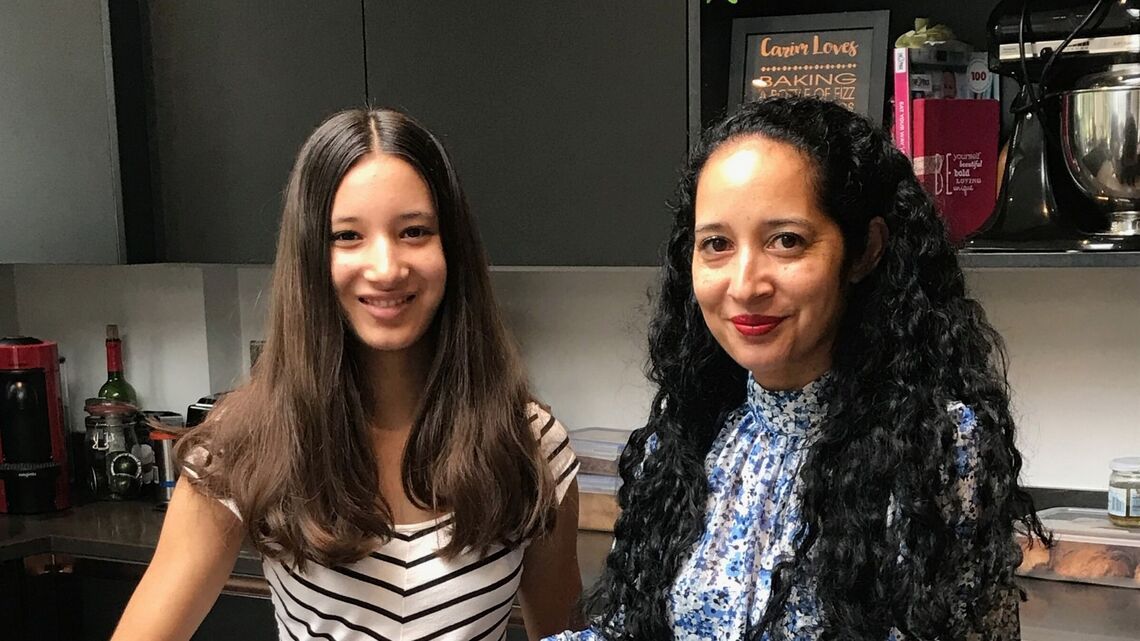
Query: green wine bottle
point(116, 388)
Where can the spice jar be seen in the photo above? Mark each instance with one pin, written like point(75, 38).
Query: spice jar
point(1124, 492)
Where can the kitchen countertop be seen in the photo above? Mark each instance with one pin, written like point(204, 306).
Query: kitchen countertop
point(124, 531)
point(127, 532)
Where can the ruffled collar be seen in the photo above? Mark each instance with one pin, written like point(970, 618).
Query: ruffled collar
point(789, 412)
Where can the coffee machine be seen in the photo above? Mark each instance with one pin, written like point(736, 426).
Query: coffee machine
point(1070, 179)
point(33, 446)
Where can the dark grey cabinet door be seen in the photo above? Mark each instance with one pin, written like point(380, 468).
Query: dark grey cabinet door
point(59, 192)
point(237, 88)
point(567, 120)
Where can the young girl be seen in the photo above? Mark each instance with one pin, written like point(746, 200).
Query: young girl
point(386, 458)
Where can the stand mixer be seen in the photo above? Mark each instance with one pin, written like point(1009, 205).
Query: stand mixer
point(1071, 179)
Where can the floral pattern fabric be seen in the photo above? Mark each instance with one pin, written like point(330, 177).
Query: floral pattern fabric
point(753, 520)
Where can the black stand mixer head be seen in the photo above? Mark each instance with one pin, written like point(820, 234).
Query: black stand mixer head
point(1050, 48)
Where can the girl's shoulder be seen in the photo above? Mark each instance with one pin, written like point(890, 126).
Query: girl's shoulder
point(543, 424)
point(553, 446)
point(198, 459)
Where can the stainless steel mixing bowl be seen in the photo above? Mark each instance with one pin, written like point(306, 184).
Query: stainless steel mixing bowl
point(1099, 121)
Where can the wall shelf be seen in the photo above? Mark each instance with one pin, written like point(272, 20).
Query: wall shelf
point(1019, 260)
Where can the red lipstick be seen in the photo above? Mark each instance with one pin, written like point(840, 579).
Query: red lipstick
point(755, 324)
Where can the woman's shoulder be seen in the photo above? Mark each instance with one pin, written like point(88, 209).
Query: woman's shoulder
point(965, 421)
point(962, 474)
point(966, 436)
point(963, 416)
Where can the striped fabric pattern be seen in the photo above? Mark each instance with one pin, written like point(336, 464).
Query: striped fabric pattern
point(403, 591)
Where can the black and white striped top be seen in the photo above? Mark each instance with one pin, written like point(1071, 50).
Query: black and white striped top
point(403, 591)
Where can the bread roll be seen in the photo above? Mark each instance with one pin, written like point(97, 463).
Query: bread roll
point(1035, 556)
point(1085, 561)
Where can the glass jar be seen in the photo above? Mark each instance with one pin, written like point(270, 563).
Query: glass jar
point(114, 469)
point(1124, 492)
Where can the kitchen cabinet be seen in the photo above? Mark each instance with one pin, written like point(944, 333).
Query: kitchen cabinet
point(237, 87)
point(566, 121)
point(102, 595)
point(85, 603)
point(59, 193)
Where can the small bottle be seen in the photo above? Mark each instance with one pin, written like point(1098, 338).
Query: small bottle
point(116, 388)
point(1124, 492)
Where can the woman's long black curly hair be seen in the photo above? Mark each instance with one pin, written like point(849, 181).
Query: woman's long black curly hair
point(910, 343)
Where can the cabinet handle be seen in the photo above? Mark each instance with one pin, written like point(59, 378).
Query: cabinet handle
point(49, 563)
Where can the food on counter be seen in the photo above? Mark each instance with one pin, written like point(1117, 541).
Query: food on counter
point(1086, 560)
point(1079, 560)
point(1033, 556)
point(1087, 549)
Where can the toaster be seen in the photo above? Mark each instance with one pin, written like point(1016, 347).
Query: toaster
point(196, 412)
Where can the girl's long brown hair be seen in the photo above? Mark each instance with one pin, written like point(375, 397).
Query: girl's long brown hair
point(292, 447)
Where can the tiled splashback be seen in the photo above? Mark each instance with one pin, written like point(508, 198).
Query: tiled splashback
point(1071, 334)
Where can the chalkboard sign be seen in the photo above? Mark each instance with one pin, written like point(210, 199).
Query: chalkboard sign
point(835, 56)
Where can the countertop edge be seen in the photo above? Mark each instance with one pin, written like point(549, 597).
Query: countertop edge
point(247, 563)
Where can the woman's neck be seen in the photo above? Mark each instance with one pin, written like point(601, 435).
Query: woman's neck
point(792, 379)
point(397, 379)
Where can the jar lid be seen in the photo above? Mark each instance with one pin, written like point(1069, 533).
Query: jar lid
point(1126, 464)
point(107, 407)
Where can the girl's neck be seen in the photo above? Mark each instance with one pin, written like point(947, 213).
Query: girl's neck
point(397, 379)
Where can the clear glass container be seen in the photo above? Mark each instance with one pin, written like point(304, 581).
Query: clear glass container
point(1124, 492)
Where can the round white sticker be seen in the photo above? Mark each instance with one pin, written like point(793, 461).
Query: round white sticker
point(979, 76)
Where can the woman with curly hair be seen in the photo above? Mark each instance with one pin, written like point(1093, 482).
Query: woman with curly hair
point(830, 452)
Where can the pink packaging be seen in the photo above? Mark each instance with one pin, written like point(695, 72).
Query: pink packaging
point(955, 147)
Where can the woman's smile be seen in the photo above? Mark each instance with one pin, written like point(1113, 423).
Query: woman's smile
point(756, 324)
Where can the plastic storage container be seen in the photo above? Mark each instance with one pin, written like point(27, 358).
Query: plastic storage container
point(1088, 549)
point(597, 502)
point(598, 484)
point(598, 450)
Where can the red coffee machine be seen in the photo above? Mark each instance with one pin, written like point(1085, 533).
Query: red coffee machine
point(33, 445)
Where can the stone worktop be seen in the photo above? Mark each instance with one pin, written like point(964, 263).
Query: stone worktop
point(127, 532)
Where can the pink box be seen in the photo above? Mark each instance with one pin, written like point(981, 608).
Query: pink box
point(955, 146)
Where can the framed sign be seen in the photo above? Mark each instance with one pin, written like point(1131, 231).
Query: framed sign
point(835, 56)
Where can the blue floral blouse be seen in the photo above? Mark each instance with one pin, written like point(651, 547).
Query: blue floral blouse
point(753, 519)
